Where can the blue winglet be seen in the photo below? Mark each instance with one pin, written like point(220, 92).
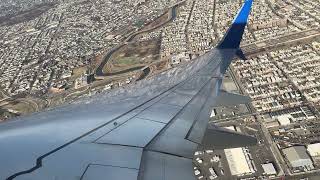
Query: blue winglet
point(232, 38)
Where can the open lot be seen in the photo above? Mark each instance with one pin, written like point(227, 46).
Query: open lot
point(133, 56)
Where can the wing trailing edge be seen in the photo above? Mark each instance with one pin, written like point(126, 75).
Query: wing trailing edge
point(221, 138)
point(228, 99)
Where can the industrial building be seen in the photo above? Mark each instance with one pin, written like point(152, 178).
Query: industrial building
point(298, 158)
point(239, 162)
point(269, 169)
point(314, 151)
point(284, 119)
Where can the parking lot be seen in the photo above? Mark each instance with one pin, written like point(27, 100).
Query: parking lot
point(260, 154)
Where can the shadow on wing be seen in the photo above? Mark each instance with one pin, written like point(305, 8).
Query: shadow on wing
point(221, 138)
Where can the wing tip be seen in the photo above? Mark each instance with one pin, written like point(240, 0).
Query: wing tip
point(242, 16)
point(233, 37)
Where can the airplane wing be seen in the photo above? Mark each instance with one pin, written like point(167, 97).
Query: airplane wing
point(146, 131)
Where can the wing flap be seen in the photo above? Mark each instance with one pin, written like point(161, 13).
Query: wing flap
point(229, 99)
point(71, 162)
point(221, 138)
point(97, 171)
point(160, 112)
point(174, 138)
point(136, 132)
point(160, 166)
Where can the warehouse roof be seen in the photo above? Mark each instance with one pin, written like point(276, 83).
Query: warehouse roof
point(296, 153)
point(237, 161)
point(269, 169)
point(314, 149)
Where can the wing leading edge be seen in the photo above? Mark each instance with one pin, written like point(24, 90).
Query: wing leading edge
point(147, 131)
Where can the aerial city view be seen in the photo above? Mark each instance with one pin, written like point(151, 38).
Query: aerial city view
point(54, 53)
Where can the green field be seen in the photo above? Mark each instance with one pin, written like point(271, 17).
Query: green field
point(126, 61)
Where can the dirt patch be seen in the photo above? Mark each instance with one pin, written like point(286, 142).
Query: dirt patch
point(19, 107)
point(77, 72)
point(133, 56)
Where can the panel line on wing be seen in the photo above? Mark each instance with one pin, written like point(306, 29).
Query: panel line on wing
point(178, 106)
point(167, 153)
point(94, 164)
point(136, 132)
point(40, 158)
point(113, 144)
point(152, 120)
point(198, 114)
point(138, 115)
point(172, 89)
point(94, 171)
point(165, 128)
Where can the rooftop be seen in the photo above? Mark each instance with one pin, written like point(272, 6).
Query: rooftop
point(269, 169)
point(296, 153)
point(314, 149)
